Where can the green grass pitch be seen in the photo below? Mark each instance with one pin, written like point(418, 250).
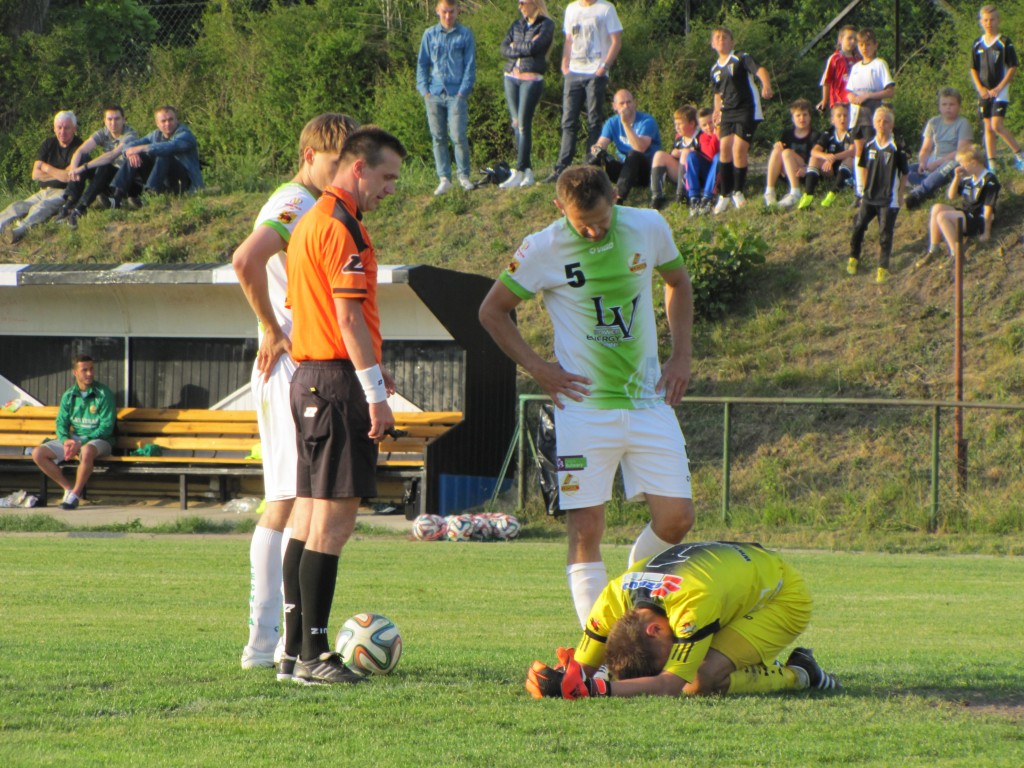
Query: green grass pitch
point(123, 651)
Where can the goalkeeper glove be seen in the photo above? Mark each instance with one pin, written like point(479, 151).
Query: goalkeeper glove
point(565, 681)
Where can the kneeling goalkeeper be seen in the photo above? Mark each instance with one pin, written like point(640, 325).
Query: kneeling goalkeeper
point(698, 619)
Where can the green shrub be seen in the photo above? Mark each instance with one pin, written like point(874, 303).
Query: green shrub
point(722, 260)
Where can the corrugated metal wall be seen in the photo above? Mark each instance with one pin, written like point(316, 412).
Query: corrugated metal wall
point(164, 373)
point(41, 365)
point(195, 373)
point(188, 373)
point(431, 374)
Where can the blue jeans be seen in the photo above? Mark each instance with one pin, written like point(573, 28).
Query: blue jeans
point(577, 89)
point(447, 117)
point(700, 176)
point(161, 174)
point(522, 97)
point(930, 182)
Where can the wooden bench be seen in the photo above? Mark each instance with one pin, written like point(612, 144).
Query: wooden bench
point(199, 442)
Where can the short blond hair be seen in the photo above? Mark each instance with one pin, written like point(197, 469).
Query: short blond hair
point(326, 133)
point(972, 153)
point(885, 112)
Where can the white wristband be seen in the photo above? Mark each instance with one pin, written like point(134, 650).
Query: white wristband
point(373, 384)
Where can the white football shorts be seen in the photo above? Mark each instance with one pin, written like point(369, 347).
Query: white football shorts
point(277, 429)
point(646, 442)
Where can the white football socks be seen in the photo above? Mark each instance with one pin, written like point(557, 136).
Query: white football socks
point(586, 581)
point(265, 597)
point(647, 545)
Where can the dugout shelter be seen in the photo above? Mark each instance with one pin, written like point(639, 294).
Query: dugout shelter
point(183, 336)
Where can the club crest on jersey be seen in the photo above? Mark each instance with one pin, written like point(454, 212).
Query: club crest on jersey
point(570, 484)
point(354, 264)
point(637, 263)
point(513, 266)
point(687, 629)
point(286, 217)
point(657, 584)
point(566, 463)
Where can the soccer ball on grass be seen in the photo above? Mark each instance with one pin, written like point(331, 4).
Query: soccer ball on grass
point(369, 644)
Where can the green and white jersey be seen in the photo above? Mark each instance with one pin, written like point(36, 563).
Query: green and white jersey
point(281, 213)
point(599, 296)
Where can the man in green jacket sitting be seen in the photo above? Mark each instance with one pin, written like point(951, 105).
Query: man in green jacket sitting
point(85, 430)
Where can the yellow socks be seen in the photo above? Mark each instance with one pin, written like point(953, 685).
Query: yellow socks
point(762, 679)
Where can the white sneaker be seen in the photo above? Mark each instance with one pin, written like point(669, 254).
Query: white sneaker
point(444, 187)
point(528, 180)
point(252, 659)
point(769, 197)
point(721, 206)
point(512, 181)
point(792, 198)
point(279, 649)
point(466, 184)
point(738, 199)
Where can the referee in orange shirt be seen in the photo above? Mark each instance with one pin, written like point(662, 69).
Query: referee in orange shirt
point(338, 393)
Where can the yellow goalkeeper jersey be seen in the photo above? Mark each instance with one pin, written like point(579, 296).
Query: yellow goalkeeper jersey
point(700, 588)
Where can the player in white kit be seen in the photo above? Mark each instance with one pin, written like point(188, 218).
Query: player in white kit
point(259, 263)
point(595, 267)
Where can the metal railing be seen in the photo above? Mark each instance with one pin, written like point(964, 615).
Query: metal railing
point(521, 434)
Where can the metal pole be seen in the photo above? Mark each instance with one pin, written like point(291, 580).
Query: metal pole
point(958, 362)
point(521, 455)
point(899, 37)
point(726, 463)
point(933, 517)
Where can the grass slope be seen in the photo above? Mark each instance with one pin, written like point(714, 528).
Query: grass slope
point(127, 655)
point(807, 329)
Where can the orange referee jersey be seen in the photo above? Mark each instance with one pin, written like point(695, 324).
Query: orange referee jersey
point(330, 257)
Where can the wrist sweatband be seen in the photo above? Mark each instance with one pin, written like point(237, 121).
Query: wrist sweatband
point(372, 381)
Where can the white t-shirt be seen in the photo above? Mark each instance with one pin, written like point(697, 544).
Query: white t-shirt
point(599, 296)
point(591, 27)
point(867, 78)
point(281, 213)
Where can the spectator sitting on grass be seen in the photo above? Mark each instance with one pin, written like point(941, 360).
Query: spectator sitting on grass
point(978, 189)
point(112, 139)
point(791, 154)
point(166, 160)
point(50, 169)
point(944, 136)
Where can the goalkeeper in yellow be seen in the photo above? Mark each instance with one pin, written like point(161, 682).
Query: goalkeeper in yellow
point(698, 619)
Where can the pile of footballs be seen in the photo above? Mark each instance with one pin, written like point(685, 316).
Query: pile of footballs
point(490, 526)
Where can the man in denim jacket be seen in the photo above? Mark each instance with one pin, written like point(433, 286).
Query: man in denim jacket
point(445, 73)
point(166, 159)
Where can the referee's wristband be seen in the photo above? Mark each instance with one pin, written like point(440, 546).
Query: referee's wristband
point(372, 381)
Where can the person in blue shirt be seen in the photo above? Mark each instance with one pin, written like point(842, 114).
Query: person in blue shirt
point(445, 74)
point(167, 160)
point(635, 138)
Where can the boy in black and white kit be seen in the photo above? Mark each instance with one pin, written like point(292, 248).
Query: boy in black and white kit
point(737, 113)
point(993, 65)
point(882, 170)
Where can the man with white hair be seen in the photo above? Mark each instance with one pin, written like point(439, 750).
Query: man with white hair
point(51, 171)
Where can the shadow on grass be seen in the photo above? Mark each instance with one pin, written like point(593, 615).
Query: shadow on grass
point(43, 523)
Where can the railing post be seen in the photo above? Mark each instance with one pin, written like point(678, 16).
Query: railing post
point(726, 464)
point(521, 455)
point(958, 361)
point(933, 516)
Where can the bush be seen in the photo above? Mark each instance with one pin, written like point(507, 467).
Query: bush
point(722, 261)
